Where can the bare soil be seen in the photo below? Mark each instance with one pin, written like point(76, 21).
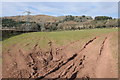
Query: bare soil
point(93, 60)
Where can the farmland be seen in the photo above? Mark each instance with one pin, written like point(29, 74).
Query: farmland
point(87, 53)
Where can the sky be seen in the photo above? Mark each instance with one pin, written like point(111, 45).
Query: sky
point(60, 0)
point(61, 8)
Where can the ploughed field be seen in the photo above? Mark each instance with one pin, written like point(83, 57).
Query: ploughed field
point(90, 53)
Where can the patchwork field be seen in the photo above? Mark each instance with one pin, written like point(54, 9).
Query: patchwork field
point(90, 53)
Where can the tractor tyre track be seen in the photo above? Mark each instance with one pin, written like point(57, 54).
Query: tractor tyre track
point(86, 62)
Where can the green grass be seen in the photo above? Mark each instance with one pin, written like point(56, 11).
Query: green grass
point(58, 37)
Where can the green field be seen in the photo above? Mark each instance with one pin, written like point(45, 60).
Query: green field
point(58, 37)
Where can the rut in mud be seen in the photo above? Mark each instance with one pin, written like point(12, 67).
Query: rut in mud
point(101, 49)
point(55, 63)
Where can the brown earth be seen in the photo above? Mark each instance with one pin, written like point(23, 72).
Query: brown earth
point(93, 60)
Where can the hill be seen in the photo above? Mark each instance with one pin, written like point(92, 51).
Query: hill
point(51, 23)
point(85, 54)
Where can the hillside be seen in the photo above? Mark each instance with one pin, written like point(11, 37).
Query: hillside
point(51, 23)
point(65, 54)
point(45, 23)
point(40, 18)
point(34, 18)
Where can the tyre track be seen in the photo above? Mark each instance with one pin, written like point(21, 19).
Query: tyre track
point(101, 49)
point(42, 64)
point(69, 60)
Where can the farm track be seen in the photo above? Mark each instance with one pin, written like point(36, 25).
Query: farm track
point(90, 61)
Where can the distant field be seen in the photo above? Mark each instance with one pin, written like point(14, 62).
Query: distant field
point(91, 53)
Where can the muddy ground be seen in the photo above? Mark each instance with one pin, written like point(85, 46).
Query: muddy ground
point(93, 60)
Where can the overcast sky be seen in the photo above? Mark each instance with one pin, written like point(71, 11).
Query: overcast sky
point(61, 8)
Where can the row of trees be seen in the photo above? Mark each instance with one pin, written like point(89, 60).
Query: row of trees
point(20, 25)
point(102, 18)
point(10, 23)
point(77, 18)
